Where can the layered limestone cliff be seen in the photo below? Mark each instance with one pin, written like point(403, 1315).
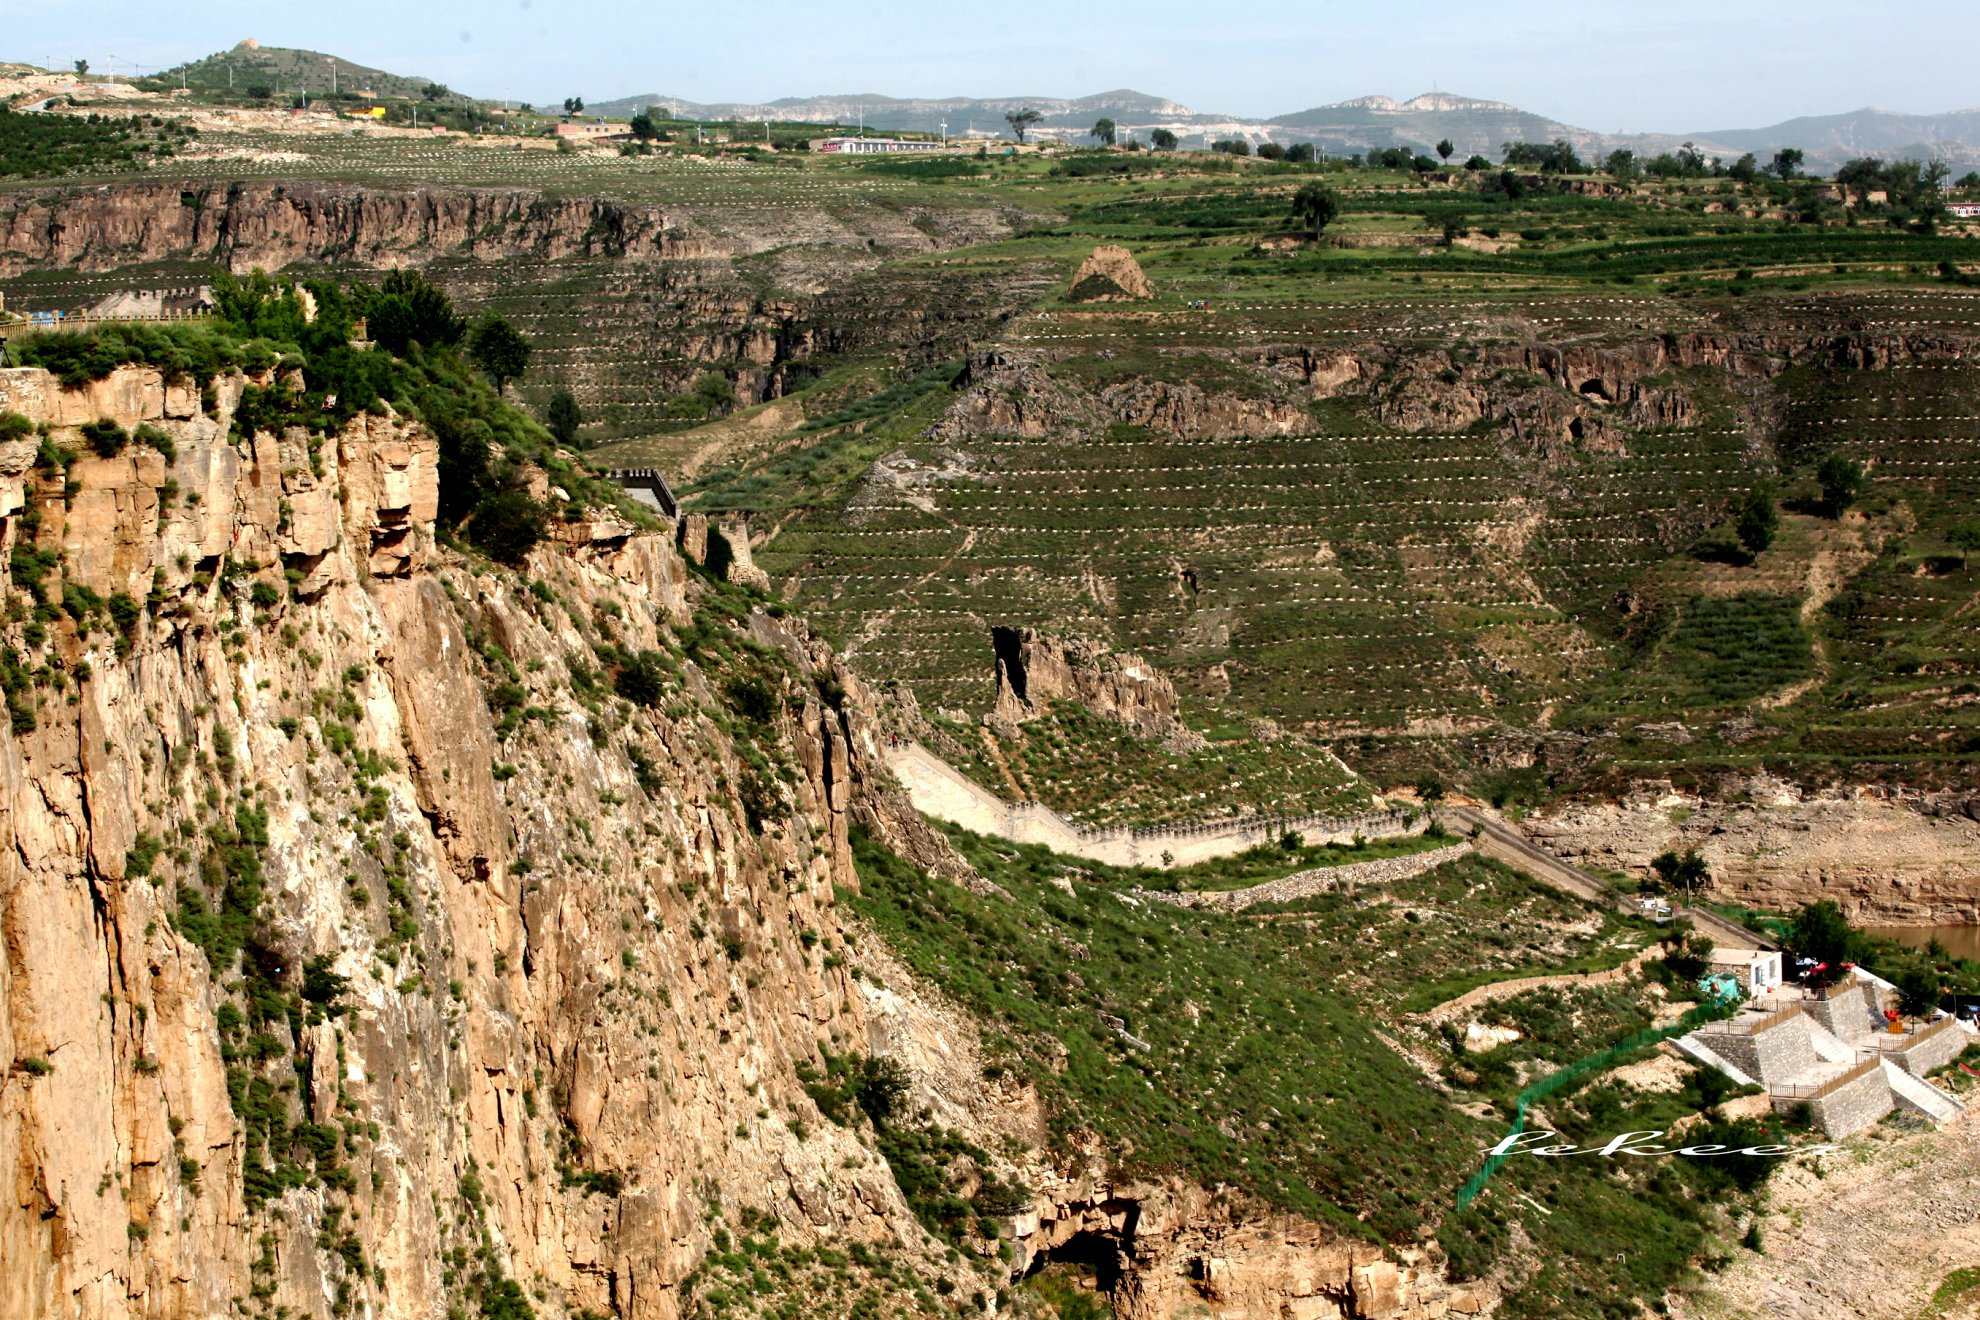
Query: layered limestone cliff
point(1888, 857)
point(573, 960)
point(1553, 399)
point(361, 952)
point(270, 225)
point(1034, 670)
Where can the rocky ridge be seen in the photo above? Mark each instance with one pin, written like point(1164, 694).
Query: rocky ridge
point(527, 974)
point(272, 225)
point(1888, 857)
point(1034, 670)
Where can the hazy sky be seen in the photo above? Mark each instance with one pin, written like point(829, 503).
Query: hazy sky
point(1671, 65)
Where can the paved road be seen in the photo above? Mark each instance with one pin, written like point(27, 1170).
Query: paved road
point(1500, 840)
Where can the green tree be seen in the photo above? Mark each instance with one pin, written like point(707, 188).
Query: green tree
point(1685, 871)
point(1475, 163)
point(1315, 206)
point(1786, 163)
point(1556, 157)
point(507, 525)
point(82, 68)
point(435, 92)
point(1022, 120)
point(714, 393)
point(563, 416)
point(1820, 931)
point(1687, 955)
point(573, 105)
point(643, 127)
point(1103, 131)
point(1445, 150)
point(1755, 518)
point(499, 349)
point(1162, 139)
point(1918, 989)
point(1965, 538)
point(1744, 170)
point(1842, 482)
point(1300, 153)
point(1622, 165)
point(408, 309)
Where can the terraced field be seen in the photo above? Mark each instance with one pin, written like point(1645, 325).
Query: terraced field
point(1353, 579)
point(1347, 486)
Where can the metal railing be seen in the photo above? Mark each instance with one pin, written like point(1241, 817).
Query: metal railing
point(1850, 981)
point(1909, 1034)
point(1753, 1026)
point(1816, 1090)
point(1775, 1019)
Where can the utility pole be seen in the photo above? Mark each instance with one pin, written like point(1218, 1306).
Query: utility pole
point(945, 132)
point(333, 77)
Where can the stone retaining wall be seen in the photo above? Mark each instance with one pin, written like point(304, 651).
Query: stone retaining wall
point(1306, 884)
point(1848, 1013)
point(1775, 1049)
point(940, 790)
point(1855, 1105)
point(1933, 1047)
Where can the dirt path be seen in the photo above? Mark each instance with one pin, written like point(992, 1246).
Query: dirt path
point(1485, 994)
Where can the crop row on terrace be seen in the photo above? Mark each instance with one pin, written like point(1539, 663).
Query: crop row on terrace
point(1264, 556)
point(670, 179)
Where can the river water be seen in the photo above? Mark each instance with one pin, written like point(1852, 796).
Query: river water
point(1960, 941)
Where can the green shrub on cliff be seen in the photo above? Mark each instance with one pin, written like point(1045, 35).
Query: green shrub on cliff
point(414, 366)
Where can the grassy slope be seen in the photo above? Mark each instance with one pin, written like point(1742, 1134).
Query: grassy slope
point(1259, 1058)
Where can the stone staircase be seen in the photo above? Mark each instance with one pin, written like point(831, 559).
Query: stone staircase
point(1920, 1096)
point(1703, 1054)
point(1827, 1053)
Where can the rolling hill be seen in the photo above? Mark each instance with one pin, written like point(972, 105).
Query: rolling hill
point(920, 116)
point(284, 71)
point(1954, 136)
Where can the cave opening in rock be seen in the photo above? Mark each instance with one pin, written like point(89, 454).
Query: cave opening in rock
point(720, 554)
point(1010, 660)
point(1090, 1261)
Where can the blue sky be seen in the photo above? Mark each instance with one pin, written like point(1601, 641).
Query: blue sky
point(1677, 65)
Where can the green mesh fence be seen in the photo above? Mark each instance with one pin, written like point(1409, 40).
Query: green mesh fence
point(1710, 1011)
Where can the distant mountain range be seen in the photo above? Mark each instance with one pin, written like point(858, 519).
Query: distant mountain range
point(961, 113)
point(1346, 127)
point(1343, 128)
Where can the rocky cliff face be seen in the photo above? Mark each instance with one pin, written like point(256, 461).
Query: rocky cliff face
point(1552, 399)
point(1887, 856)
point(572, 964)
point(1034, 670)
point(362, 953)
point(1013, 392)
point(270, 225)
